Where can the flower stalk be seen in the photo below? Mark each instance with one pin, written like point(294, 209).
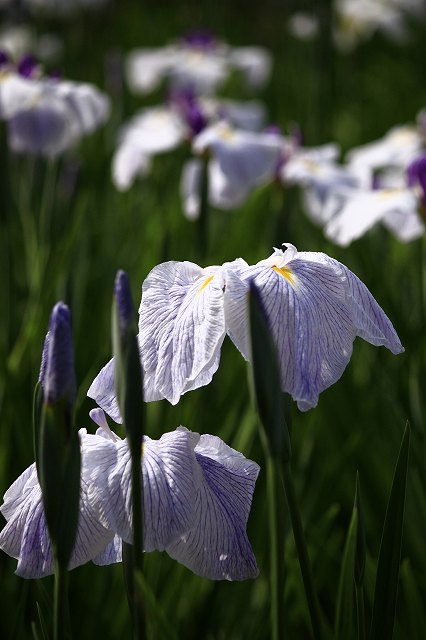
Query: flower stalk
point(128, 382)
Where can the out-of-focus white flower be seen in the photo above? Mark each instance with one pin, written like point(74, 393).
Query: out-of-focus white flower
point(199, 62)
point(159, 129)
point(154, 130)
point(353, 212)
point(240, 161)
point(357, 20)
point(316, 170)
point(46, 116)
point(396, 149)
point(315, 306)
point(303, 26)
point(18, 40)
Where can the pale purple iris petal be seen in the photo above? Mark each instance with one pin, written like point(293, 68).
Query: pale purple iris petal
point(102, 390)
point(217, 546)
point(316, 307)
point(181, 326)
point(111, 554)
point(169, 487)
point(40, 130)
point(25, 535)
point(405, 225)
point(371, 322)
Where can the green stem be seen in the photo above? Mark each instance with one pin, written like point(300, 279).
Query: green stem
point(302, 551)
point(360, 612)
point(61, 628)
point(138, 609)
point(276, 543)
point(203, 220)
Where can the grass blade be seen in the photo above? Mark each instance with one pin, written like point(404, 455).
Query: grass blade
point(385, 593)
point(344, 622)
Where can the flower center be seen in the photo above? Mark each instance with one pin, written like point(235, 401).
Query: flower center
point(286, 273)
point(205, 283)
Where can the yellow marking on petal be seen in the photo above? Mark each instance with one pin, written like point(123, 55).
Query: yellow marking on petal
point(286, 273)
point(205, 283)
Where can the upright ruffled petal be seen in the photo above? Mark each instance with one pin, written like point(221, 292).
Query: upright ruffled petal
point(217, 546)
point(181, 327)
point(168, 487)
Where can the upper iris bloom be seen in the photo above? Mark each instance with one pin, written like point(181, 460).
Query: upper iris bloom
point(45, 115)
point(199, 62)
point(315, 306)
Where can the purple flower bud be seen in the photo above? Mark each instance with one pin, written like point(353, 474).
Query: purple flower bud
point(376, 182)
point(57, 370)
point(416, 174)
point(123, 297)
point(27, 66)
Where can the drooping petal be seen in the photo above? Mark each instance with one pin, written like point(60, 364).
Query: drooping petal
point(111, 554)
point(247, 159)
point(26, 537)
point(353, 213)
point(168, 487)
point(217, 546)
point(370, 321)
point(102, 390)
point(181, 327)
point(316, 307)
point(128, 162)
point(146, 68)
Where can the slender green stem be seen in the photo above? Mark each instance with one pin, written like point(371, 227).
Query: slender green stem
point(203, 220)
point(360, 612)
point(302, 551)
point(61, 628)
point(276, 542)
point(138, 608)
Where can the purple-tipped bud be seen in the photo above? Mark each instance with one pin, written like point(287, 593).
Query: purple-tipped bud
point(416, 174)
point(57, 370)
point(4, 58)
point(123, 297)
point(28, 66)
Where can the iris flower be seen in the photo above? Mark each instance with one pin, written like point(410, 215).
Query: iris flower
point(197, 494)
point(197, 498)
point(45, 115)
point(159, 129)
point(315, 306)
point(198, 61)
point(239, 162)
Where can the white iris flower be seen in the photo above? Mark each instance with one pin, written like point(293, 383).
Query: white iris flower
point(315, 306)
point(197, 499)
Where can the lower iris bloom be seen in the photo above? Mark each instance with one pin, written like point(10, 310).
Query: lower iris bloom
point(25, 536)
point(197, 498)
point(315, 306)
